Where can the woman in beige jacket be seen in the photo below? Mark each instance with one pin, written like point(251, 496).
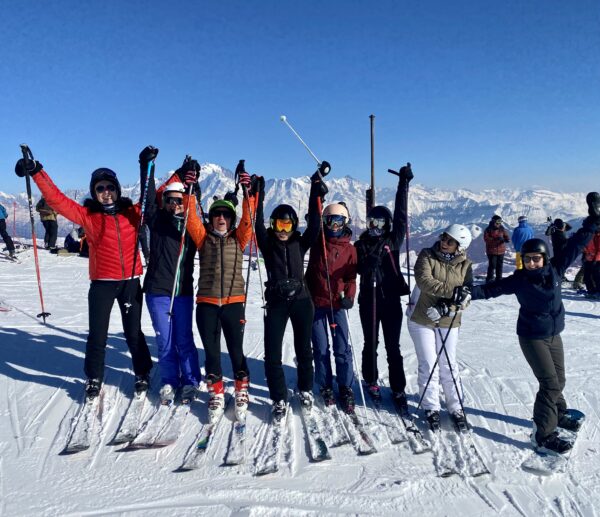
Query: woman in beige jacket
point(438, 270)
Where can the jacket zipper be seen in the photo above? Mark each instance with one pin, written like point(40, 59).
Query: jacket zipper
point(120, 248)
point(222, 271)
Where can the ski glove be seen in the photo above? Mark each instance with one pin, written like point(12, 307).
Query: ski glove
point(347, 303)
point(406, 173)
point(324, 168)
point(461, 296)
point(30, 166)
point(244, 179)
point(257, 184)
point(188, 165)
point(440, 310)
point(148, 154)
point(232, 198)
point(317, 179)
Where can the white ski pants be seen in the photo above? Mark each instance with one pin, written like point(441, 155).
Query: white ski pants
point(428, 343)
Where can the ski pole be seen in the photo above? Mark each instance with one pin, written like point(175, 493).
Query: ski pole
point(180, 254)
point(284, 120)
point(397, 173)
point(443, 347)
point(453, 378)
point(28, 155)
point(333, 324)
point(356, 369)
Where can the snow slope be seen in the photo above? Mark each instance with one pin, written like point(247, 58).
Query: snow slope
point(41, 384)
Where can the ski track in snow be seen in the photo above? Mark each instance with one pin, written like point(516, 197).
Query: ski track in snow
point(41, 382)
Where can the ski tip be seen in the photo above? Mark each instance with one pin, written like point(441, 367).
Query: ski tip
point(69, 451)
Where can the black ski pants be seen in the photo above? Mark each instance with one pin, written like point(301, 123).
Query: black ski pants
point(301, 313)
point(101, 298)
point(546, 359)
point(387, 312)
point(211, 319)
point(7, 240)
point(51, 228)
point(591, 276)
point(495, 263)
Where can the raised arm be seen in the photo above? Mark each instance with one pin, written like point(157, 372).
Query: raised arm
point(65, 206)
point(576, 243)
point(258, 187)
point(401, 206)
point(313, 227)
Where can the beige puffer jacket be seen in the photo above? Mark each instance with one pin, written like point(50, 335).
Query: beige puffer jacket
point(436, 278)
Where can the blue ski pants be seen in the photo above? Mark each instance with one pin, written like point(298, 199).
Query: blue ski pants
point(342, 352)
point(177, 354)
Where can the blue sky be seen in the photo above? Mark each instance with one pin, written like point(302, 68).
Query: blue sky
point(475, 94)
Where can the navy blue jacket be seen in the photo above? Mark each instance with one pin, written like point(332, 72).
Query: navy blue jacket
point(542, 313)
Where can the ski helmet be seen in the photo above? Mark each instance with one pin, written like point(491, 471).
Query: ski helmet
point(222, 203)
point(460, 234)
point(176, 186)
point(381, 212)
point(522, 218)
point(285, 212)
point(104, 174)
point(336, 209)
point(535, 246)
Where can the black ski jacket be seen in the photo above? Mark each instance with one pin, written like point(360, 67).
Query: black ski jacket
point(284, 260)
point(379, 257)
point(538, 291)
point(165, 240)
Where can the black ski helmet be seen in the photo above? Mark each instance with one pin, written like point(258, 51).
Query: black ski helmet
point(381, 212)
point(535, 246)
point(104, 174)
point(284, 212)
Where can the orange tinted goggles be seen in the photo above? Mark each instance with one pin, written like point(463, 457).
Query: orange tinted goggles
point(282, 225)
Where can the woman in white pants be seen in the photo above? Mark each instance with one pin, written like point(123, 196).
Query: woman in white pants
point(438, 271)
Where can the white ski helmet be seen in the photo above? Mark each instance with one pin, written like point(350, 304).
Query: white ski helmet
point(176, 186)
point(336, 209)
point(460, 234)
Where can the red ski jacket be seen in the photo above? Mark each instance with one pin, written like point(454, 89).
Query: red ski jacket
point(111, 238)
point(495, 240)
point(591, 252)
point(341, 261)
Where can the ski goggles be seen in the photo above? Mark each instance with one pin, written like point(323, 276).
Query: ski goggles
point(334, 220)
point(446, 238)
point(376, 222)
point(533, 258)
point(109, 188)
point(218, 213)
point(174, 201)
point(282, 225)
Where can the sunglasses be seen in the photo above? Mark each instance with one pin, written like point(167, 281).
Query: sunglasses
point(225, 213)
point(376, 222)
point(535, 258)
point(101, 188)
point(334, 220)
point(446, 238)
point(282, 225)
point(174, 201)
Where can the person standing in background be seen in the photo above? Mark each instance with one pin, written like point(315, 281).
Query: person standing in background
point(495, 237)
point(521, 233)
point(10, 247)
point(48, 217)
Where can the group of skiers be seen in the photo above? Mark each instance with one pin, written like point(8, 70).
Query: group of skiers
point(316, 302)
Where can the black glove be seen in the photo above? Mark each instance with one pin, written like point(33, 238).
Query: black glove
point(240, 168)
point(148, 154)
point(440, 310)
point(188, 165)
point(346, 303)
point(33, 167)
point(257, 184)
point(324, 169)
point(593, 203)
point(461, 296)
point(232, 198)
point(406, 173)
point(317, 180)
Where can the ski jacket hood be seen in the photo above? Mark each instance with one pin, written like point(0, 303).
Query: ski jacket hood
point(521, 233)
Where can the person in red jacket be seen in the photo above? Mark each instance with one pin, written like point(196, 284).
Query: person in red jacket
point(331, 280)
point(495, 237)
point(110, 222)
point(591, 267)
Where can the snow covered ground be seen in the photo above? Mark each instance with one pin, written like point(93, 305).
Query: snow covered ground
point(41, 385)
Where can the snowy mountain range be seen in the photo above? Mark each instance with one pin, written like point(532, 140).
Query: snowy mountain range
point(431, 209)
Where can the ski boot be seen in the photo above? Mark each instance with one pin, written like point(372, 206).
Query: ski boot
point(347, 399)
point(279, 409)
point(568, 422)
point(306, 399)
point(242, 383)
point(460, 421)
point(188, 393)
point(142, 383)
point(92, 388)
point(216, 402)
point(12, 255)
point(328, 397)
point(433, 420)
point(551, 444)
point(400, 402)
point(167, 395)
point(374, 392)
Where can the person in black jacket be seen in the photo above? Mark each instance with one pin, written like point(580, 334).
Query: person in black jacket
point(558, 235)
point(541, 320)
point(283, 248)
point(177, 353)
point(381, 286)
